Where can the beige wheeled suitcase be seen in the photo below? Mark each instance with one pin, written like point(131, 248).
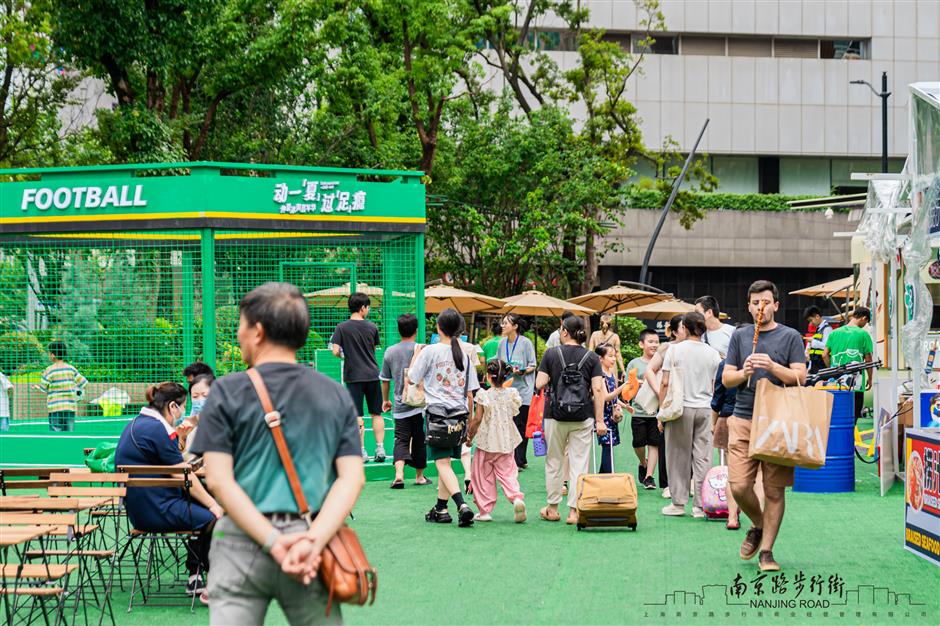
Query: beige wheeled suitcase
point(606, 499)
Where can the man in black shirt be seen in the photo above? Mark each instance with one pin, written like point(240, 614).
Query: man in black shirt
point(775, 353)
point(355, 341)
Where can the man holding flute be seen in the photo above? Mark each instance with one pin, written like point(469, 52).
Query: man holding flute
point(768, 350)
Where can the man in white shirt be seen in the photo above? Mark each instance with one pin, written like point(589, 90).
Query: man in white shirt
point(717, 333)
point(554, 340)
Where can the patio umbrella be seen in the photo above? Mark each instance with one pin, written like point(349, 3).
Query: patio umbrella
point(336, 297)
point(841, 288)
point(664, 310)
point(541, 304)
point(618, 297)
point(440, 297)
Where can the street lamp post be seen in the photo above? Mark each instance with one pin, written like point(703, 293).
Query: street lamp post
point(884, 115)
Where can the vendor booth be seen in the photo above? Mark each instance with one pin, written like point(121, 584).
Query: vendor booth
point(138, 269)
point(900, 231)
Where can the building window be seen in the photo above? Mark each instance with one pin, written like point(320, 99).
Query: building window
point(660, 44)
point(702, 45)
point(843, 49)
point(621, 39)
point(557, 40)
point(749, 47)
point(768, 174)
point(796, 48)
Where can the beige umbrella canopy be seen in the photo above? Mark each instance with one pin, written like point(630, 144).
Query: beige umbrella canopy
point(664, 310)
point(541, 304)
point(841, 288)
point(618, 297)
point(336, 297)
point(440, 297)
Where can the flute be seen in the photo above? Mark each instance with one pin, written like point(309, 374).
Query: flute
point(757, 323)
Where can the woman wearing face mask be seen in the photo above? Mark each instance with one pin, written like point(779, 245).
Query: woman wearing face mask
point(151, 439)
point(186, 429)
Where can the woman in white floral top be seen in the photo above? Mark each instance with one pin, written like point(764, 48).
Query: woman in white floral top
point(495, 435)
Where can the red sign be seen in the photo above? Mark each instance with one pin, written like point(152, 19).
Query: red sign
point(922, 497)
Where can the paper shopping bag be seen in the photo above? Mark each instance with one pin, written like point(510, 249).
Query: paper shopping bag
point(790, 425)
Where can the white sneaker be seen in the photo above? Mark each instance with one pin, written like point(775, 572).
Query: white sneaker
point(379, 454)
point(666, 494)
point(365, 456)
point(482, 517)
point(698, 512)
point(518, 508)
point(673, 510)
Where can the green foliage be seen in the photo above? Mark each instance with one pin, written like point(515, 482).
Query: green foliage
point(629, 329)
point(21, 351)
point(34, 85)
point(173, 65)
point(13, 294)
point(640, 198)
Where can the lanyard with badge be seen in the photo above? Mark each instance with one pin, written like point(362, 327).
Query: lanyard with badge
point(509, 354)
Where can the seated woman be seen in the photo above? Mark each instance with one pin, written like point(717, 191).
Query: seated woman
point(150, 439)
point(198, 392)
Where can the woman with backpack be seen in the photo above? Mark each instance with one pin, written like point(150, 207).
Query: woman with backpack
point(449, 379)
point(691, 364)
point(573, 410)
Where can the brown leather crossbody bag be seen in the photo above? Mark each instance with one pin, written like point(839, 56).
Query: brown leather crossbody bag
point(344, 569)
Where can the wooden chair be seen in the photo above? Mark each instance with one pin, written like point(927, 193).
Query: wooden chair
point(27, 477)
point(99, 555)
point(165, 551)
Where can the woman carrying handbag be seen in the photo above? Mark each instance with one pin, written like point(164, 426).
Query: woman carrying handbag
point(449, 380)
point(688, 422)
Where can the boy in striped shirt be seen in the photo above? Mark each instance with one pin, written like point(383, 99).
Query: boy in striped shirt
point(63, 386)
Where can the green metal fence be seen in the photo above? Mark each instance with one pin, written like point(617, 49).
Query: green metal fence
point(139, 269)
point(135, 308)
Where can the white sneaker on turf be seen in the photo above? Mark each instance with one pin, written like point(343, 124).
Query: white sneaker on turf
point(698, 512)
point(518, 509)
point(673, 510)
point(482, 517)
point(666, 494)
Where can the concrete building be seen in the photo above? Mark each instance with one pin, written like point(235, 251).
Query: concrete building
point(773, 76)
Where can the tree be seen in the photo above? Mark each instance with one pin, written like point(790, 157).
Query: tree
point(173, 64)
point(501, 200)
point(33, 85)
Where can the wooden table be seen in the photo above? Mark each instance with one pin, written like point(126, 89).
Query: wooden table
point(27, 503)
point(11, 537)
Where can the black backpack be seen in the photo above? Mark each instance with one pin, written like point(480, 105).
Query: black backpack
point(572, 394)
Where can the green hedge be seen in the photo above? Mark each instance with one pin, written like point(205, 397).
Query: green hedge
point(638, 198)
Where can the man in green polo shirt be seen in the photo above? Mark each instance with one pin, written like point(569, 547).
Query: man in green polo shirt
point(491, 347)
point(263, 549)
point(852, 344)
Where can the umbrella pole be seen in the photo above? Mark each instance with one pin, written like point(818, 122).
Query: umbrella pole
point(473, 328)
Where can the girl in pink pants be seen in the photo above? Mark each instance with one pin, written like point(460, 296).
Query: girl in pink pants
point(495, 435)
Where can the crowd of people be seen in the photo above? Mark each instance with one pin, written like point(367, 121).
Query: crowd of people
point(443, 411)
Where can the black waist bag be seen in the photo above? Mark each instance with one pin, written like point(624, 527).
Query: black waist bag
point(448, 429)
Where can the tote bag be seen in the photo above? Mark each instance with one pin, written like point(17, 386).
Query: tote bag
point(671, 407)
point(790, 425)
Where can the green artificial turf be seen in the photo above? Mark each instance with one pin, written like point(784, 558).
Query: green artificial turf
point(548, 573)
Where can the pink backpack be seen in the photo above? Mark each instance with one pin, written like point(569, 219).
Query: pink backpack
point(715, 493)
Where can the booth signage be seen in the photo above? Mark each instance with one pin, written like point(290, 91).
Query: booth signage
point(210, 195)
point(922, 494)
point(44, 198)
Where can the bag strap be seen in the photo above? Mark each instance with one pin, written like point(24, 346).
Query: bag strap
point(273, 419)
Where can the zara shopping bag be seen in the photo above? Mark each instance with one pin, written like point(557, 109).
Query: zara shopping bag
point(790, 425)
